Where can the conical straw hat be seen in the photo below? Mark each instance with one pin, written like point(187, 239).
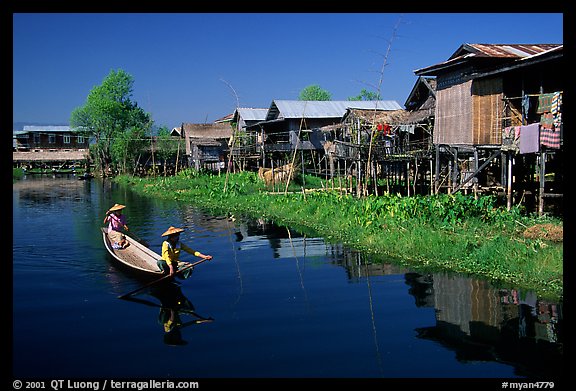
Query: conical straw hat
point(172, 230)
point(116, 207)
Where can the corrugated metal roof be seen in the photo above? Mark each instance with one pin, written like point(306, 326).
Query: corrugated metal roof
point(323, 109)
point(504, 50)
point(226, 118)
point(51, 128)
point(467, 52)
point(250, 114)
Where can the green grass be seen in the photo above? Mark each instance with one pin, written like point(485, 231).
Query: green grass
point(17, 173)
point(441, 232)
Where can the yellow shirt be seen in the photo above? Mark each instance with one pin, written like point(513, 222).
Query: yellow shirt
point(171, 254)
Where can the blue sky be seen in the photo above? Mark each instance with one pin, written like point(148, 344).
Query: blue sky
point(197, 67)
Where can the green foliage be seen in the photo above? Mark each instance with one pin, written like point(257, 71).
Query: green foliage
point(110, 117)
point(167, 146)
point(126, 148)
point(365, 95)
point(17, 173)
point(314, 92)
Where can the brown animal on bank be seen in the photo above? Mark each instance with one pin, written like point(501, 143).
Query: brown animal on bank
point(277, 175)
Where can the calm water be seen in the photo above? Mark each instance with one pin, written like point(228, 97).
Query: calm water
point(271, 304)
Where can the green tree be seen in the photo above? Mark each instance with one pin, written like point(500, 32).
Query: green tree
point(314, 92)
point(116, 124)
point(128, 147)
point(168, 147)
point(365, 95)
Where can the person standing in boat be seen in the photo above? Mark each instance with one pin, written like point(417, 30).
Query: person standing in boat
point(116, 223)
point(171, 249)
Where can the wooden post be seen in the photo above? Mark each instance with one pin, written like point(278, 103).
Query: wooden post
point(431, 178)
point(375, 175)
point(509, 182)
point(476, 168)
point(408, 177)
point(177, 156)
point(455, 169)
point(542, 183)
point(437, 170)
point(339, 178)
point(450, 162)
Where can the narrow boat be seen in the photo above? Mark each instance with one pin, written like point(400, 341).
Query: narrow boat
point(136, 255)
point(140, 258)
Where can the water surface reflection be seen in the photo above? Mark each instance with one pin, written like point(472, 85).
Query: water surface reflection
point(273, 303)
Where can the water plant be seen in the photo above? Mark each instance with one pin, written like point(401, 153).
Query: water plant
point(445, 231)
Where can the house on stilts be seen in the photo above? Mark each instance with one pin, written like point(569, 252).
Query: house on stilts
point(498, 122)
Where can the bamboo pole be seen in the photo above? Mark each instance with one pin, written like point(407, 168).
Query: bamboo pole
point(431, 178)
point(177, 156)
point(296, 148)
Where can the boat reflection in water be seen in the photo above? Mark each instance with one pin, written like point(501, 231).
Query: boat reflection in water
point(175, 311)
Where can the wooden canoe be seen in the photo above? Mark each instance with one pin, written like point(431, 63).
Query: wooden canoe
point(136, 256)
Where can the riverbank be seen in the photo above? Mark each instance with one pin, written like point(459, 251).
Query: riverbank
point(442, 232)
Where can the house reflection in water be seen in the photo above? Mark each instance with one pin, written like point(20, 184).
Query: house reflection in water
point(482, 323)
point(474, 319)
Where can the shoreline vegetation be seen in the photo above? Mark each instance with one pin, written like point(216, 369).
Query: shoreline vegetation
point(456, 233)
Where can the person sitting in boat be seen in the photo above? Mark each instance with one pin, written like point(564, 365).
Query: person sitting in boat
point(116, 223)
point(171, 249)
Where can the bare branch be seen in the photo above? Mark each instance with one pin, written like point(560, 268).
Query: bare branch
point(233, 91)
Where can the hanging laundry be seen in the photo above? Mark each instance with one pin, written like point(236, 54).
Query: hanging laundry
point(547, 121)
point(408, 128)
point(511, 138)
point(544, 103)
point(385, 128)
point(555, 109)
point(525, 104)
point(529, 138)
point(550, 138)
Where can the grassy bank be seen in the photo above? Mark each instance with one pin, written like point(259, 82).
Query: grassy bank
point(448, 232)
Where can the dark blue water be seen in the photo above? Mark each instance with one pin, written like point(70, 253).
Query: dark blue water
point(271, 304)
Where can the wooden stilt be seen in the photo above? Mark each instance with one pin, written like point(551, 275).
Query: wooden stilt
point(542, 183)
point(509, 182)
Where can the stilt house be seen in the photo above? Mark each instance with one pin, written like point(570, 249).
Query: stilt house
point(498, 106)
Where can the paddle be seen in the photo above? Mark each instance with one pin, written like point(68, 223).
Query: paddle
point(161, 279)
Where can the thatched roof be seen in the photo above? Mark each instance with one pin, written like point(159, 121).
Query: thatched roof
point(424, 112)
point(378, 116)
point(395, 117)
point(207, 131)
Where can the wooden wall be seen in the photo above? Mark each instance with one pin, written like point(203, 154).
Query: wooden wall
point(453, 122)
point(487, 111)
point(470, 113)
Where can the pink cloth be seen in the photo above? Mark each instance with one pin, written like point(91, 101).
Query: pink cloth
point(529, 138)
point(116, 222)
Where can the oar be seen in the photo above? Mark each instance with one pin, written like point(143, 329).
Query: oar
point(161, 279)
